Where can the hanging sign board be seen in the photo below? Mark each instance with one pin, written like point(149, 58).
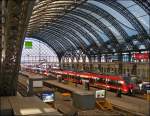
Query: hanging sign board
point(139, 56)
point(100, 94)
point(28, 44)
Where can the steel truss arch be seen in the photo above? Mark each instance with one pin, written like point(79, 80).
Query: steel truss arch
point(75, 38)
point(85, 25)
point(145, 4)
point(102, 13)
point(55, 48)
point(48, 33)
point(126, 13)
point(65, 43)
point(65, 30)
point(73, 25)
point(100, 25)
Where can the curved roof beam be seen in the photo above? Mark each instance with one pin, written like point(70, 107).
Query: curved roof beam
point(66, 44)
point(55, 48)
point(144, 4)
point(67, 32)
point(48, 33)
point(50, 9)
point(78, 30)
point(102, 16)
point(86, 27)
point(127, 14)
point(98, 24)
point(73, 31)
point(100, 13)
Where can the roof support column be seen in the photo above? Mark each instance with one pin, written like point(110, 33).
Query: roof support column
point(129, 57)
point(84, 62)
point(16, 19)
point(99, 62)
point(120, 62)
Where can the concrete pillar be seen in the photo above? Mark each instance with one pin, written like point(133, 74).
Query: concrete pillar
point(15, 26)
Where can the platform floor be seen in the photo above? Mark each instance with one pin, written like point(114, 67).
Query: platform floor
point(127, 103)
point(67, 108)
point(67, 87)
point(28, 106)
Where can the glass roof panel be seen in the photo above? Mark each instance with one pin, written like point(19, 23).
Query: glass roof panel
point(126, 3)
point(44, 48)
point(92, 25)
point(145, 21)
point(117, 15)
point(139, 13)
point(129, 31)
point(80, 35)
point(40, 51)
point(105, 22)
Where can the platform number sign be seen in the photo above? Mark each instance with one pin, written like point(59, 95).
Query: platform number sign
point(28, 44)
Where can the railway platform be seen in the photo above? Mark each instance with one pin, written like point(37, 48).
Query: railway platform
point(128, 104)
point(25, 106)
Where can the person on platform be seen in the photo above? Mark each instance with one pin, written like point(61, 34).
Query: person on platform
point(119, 93)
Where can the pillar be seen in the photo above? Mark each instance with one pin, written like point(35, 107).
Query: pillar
point(99, 62)
point(16, 20)
point(120, 62)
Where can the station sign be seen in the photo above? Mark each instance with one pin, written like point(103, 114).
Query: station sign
point(28, 44)
point(139, 56)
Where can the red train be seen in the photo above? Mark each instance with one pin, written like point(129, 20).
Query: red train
point(126, 84)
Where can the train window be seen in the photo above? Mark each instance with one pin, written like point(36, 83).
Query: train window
point(100, 80)
point(112, 82)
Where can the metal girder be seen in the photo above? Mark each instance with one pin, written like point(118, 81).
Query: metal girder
point(126, 13)
point(55, 36)
point(51, 10)
point(100, 25)
point(144, 4)
point(90, 32)
point(70, 28)
point(61, 31)
point(55, 48)
point(67, 30)
point(74, 25)
point(60, 48)
point(75, 38)
point(49, 34)
point(104, 14)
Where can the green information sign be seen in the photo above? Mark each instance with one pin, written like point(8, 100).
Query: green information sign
point(28, 44)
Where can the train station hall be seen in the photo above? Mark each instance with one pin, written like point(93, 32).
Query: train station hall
point(75, 58)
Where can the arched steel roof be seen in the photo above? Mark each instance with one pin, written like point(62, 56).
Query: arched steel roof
point(102, 25)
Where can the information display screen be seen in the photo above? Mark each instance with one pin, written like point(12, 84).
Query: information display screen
point(47, 97)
